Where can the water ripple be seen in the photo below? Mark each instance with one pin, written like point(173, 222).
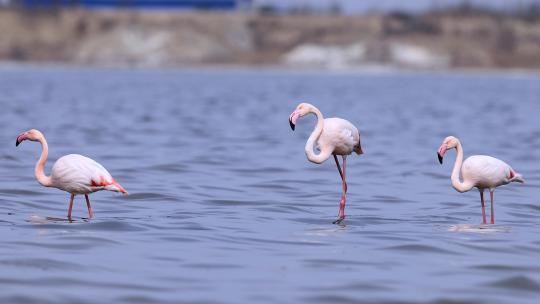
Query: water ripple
point(225, 208)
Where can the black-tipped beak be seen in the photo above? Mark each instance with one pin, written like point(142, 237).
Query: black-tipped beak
point(440, 157)
point(291, 124)
point(17, 143)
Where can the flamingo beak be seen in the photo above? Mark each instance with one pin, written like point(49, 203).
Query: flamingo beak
point(20, 139)
point(441, 151)
point(291, 124)
point(293, 118)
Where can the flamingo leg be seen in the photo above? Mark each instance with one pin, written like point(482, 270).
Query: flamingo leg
point(90, 212)
point(483, 207)
point(492, 213)
point(70, 206)
point(341, 214)
point(338, 166)
point(339, 169)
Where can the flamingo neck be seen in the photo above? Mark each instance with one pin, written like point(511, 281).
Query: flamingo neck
point(310, 144)
point(40, 165)
point(456, 182)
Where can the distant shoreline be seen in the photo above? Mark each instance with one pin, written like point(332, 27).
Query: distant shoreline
point(433, 41)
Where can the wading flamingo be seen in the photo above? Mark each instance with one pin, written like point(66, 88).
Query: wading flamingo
point(480, 171)
point(333, 136)
point(73, 173)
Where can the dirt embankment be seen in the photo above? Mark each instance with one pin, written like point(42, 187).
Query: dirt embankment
point(179, 38)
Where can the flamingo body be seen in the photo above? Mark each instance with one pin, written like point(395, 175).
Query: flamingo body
point(79, 174)
point(486, 172)
point(339, 134)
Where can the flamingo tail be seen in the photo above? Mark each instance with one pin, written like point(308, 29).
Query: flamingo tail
point(358, 149)
point(517, 178)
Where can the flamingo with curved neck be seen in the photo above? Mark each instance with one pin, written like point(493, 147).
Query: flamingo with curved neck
point(74, 173)
point(460, 186)
point(39, 170)
point(331, 136)
point(480, 171)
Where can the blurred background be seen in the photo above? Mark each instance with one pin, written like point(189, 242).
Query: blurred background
point(336, 34)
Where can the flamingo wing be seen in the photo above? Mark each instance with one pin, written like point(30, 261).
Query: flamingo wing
point(78, 174)
point(486, 171)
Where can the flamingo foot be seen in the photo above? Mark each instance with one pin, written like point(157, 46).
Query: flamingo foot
point(341, 214)
point(338, 221)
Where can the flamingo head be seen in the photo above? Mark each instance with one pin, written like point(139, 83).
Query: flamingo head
point(301, 110)
point(32, 135)
point(448, 143)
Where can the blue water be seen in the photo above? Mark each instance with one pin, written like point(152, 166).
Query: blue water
point(225, 208)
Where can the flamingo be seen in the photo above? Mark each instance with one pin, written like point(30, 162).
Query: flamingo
point(333, 136)
point(480, 171)
point(73, 173)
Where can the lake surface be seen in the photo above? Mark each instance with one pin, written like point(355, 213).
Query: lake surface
point(225, 208)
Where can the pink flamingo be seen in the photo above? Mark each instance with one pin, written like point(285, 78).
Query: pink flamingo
point(73, 173)
point(480, 171)
point(333, 136)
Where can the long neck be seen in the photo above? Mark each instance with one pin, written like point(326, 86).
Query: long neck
point(40, 166)
point(310, 144)
point(456, 183)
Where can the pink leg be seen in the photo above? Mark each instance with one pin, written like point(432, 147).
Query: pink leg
point(70, 206)
point(483, 207)
point(492, 213)
point(341, 214)
point(90, 212)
